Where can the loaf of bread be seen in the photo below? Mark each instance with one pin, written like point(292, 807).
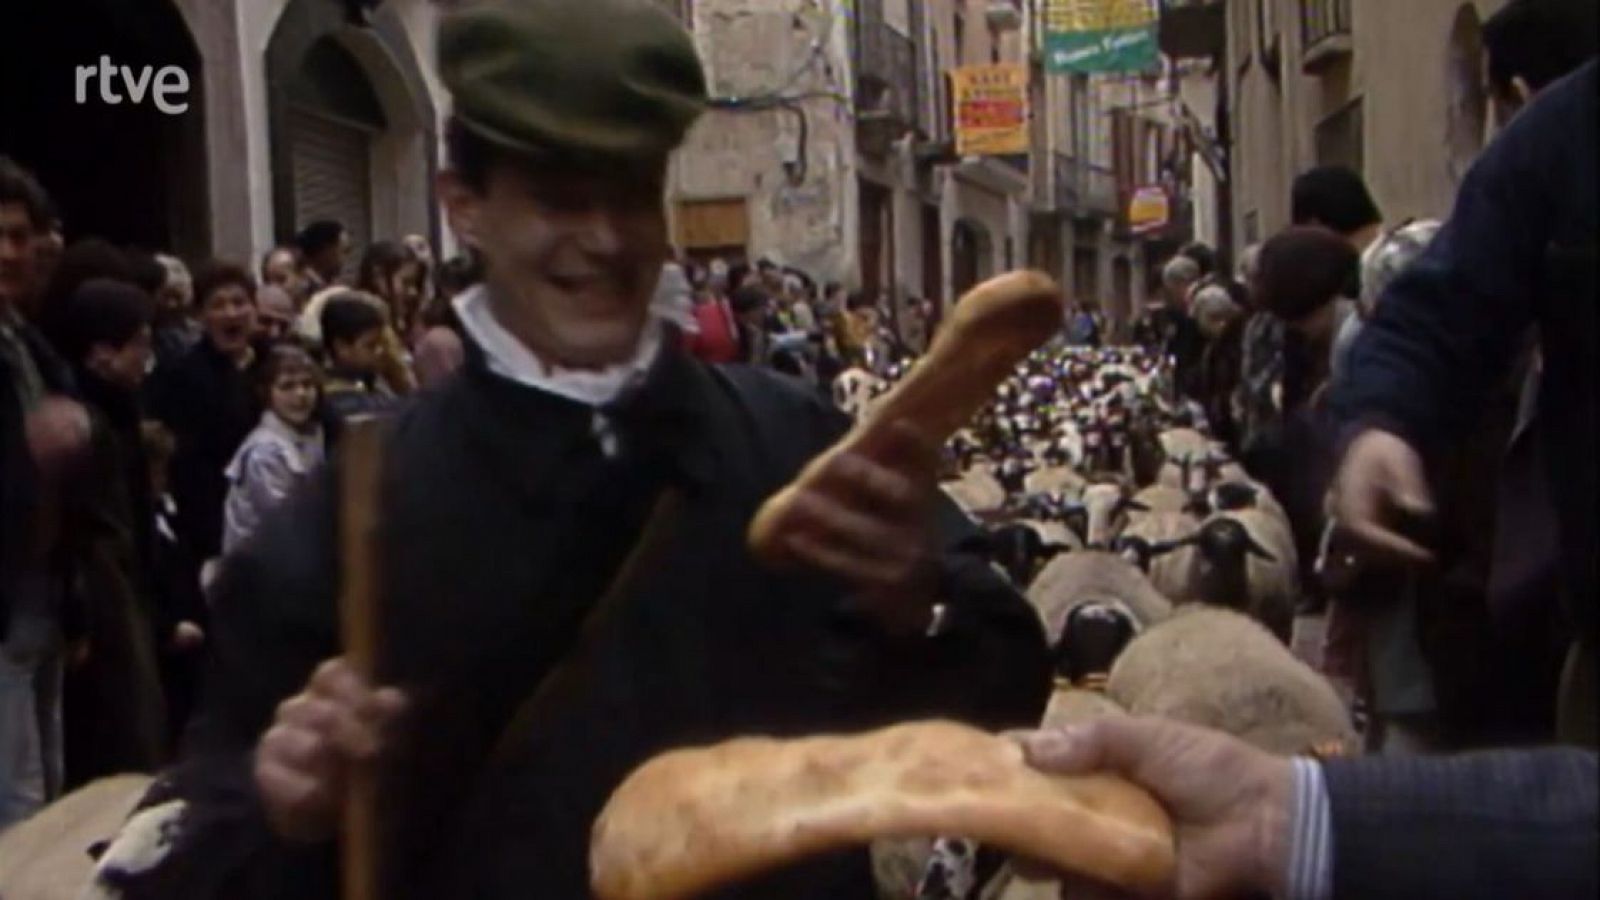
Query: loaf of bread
point(691, 821)
point(992, 329)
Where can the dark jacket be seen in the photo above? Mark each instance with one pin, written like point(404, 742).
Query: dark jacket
point(503, 522)
point(22, 552)
point(345, 396)
point(114, 714)
point(1484, 826)
point(1519, 250)
point(209, 405)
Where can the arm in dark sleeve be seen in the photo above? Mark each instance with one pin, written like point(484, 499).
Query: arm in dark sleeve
point(1447, 327)
point(1491, 825)
point(273, 622)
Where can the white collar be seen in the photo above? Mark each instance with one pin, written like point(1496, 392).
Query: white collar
point(509, 358)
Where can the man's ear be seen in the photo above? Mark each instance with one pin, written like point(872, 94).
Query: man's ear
point(462, 206)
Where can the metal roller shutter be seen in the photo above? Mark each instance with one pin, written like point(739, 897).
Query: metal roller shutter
point(332, 176)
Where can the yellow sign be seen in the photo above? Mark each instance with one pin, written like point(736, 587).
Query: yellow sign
point(1098, 15)
point(991, 109)
point(1149, 210)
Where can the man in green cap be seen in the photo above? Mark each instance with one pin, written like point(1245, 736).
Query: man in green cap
point(566, 589)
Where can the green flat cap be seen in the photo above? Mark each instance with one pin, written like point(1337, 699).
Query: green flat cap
point(601, 80)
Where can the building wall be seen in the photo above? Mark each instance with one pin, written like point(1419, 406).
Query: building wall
point(751, 47)
point(1399, 69)
point(233, 37)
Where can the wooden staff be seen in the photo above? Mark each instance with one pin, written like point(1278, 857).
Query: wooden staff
point(360, 472)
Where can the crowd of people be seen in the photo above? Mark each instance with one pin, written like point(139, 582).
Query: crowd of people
point(778, 317)
point(169, 493)
point(156, 412)
point(201, 396)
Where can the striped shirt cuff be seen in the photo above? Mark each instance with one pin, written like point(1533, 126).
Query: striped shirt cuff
point(1310, 836)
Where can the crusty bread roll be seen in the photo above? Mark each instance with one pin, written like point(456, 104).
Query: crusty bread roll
point(690, 821)
point(992, 328)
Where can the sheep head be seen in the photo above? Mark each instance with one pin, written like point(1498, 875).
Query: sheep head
point(1094, 635)
point(1221, 563)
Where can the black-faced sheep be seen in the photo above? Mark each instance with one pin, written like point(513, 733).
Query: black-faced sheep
point(1245, 560)
point(1093, 576)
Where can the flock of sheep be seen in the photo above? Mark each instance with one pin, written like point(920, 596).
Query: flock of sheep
point(1165, 577)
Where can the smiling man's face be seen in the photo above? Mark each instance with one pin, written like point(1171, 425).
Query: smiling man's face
point(572, 258)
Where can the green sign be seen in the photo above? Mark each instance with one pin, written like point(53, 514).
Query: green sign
point(1108, 50)
point(1100, 36)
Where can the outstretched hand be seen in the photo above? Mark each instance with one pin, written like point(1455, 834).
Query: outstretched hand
point(1229, 802)
point(1381, 480)
point(866, 519)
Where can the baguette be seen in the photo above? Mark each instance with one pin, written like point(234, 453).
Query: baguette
point(993, 328)
point(691, 821)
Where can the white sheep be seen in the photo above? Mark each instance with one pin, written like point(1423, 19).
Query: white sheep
point(1053, 480)
point(977, 491)
point(1178, 443)
point(1219, 669)
point(47, 856)
point(1107, 506)
point(1168, 571)
point(853, 389)
point(1158, 498)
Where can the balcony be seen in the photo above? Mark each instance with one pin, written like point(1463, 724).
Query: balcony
point(1324, 33)
point(886, 80)
point(1075, 187)
point(1098, 191)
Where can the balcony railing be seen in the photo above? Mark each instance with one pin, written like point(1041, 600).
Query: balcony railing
point(1099, 190)
point(1324, 31)
point(1081, 189)
point(1075, 186)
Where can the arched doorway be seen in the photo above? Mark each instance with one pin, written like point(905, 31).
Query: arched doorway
point(119, 169)
point(1467, 116)
point(971, 256)
point(352, 128)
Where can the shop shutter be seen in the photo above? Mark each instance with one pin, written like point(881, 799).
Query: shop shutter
point(332, 176)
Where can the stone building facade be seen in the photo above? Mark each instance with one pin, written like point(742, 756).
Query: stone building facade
point(298, 109)
point(830, 147)
point(1392, 89)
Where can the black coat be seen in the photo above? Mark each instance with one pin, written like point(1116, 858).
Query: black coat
point(210, 406)
point(114, 716)
point(24, 549)
point(1520, 250)
point(503, 522)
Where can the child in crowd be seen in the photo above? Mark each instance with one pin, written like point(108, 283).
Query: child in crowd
point(282, 450)
point(353, 329)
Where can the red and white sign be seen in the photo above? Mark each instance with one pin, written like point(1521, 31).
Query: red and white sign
point(1149, 210)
